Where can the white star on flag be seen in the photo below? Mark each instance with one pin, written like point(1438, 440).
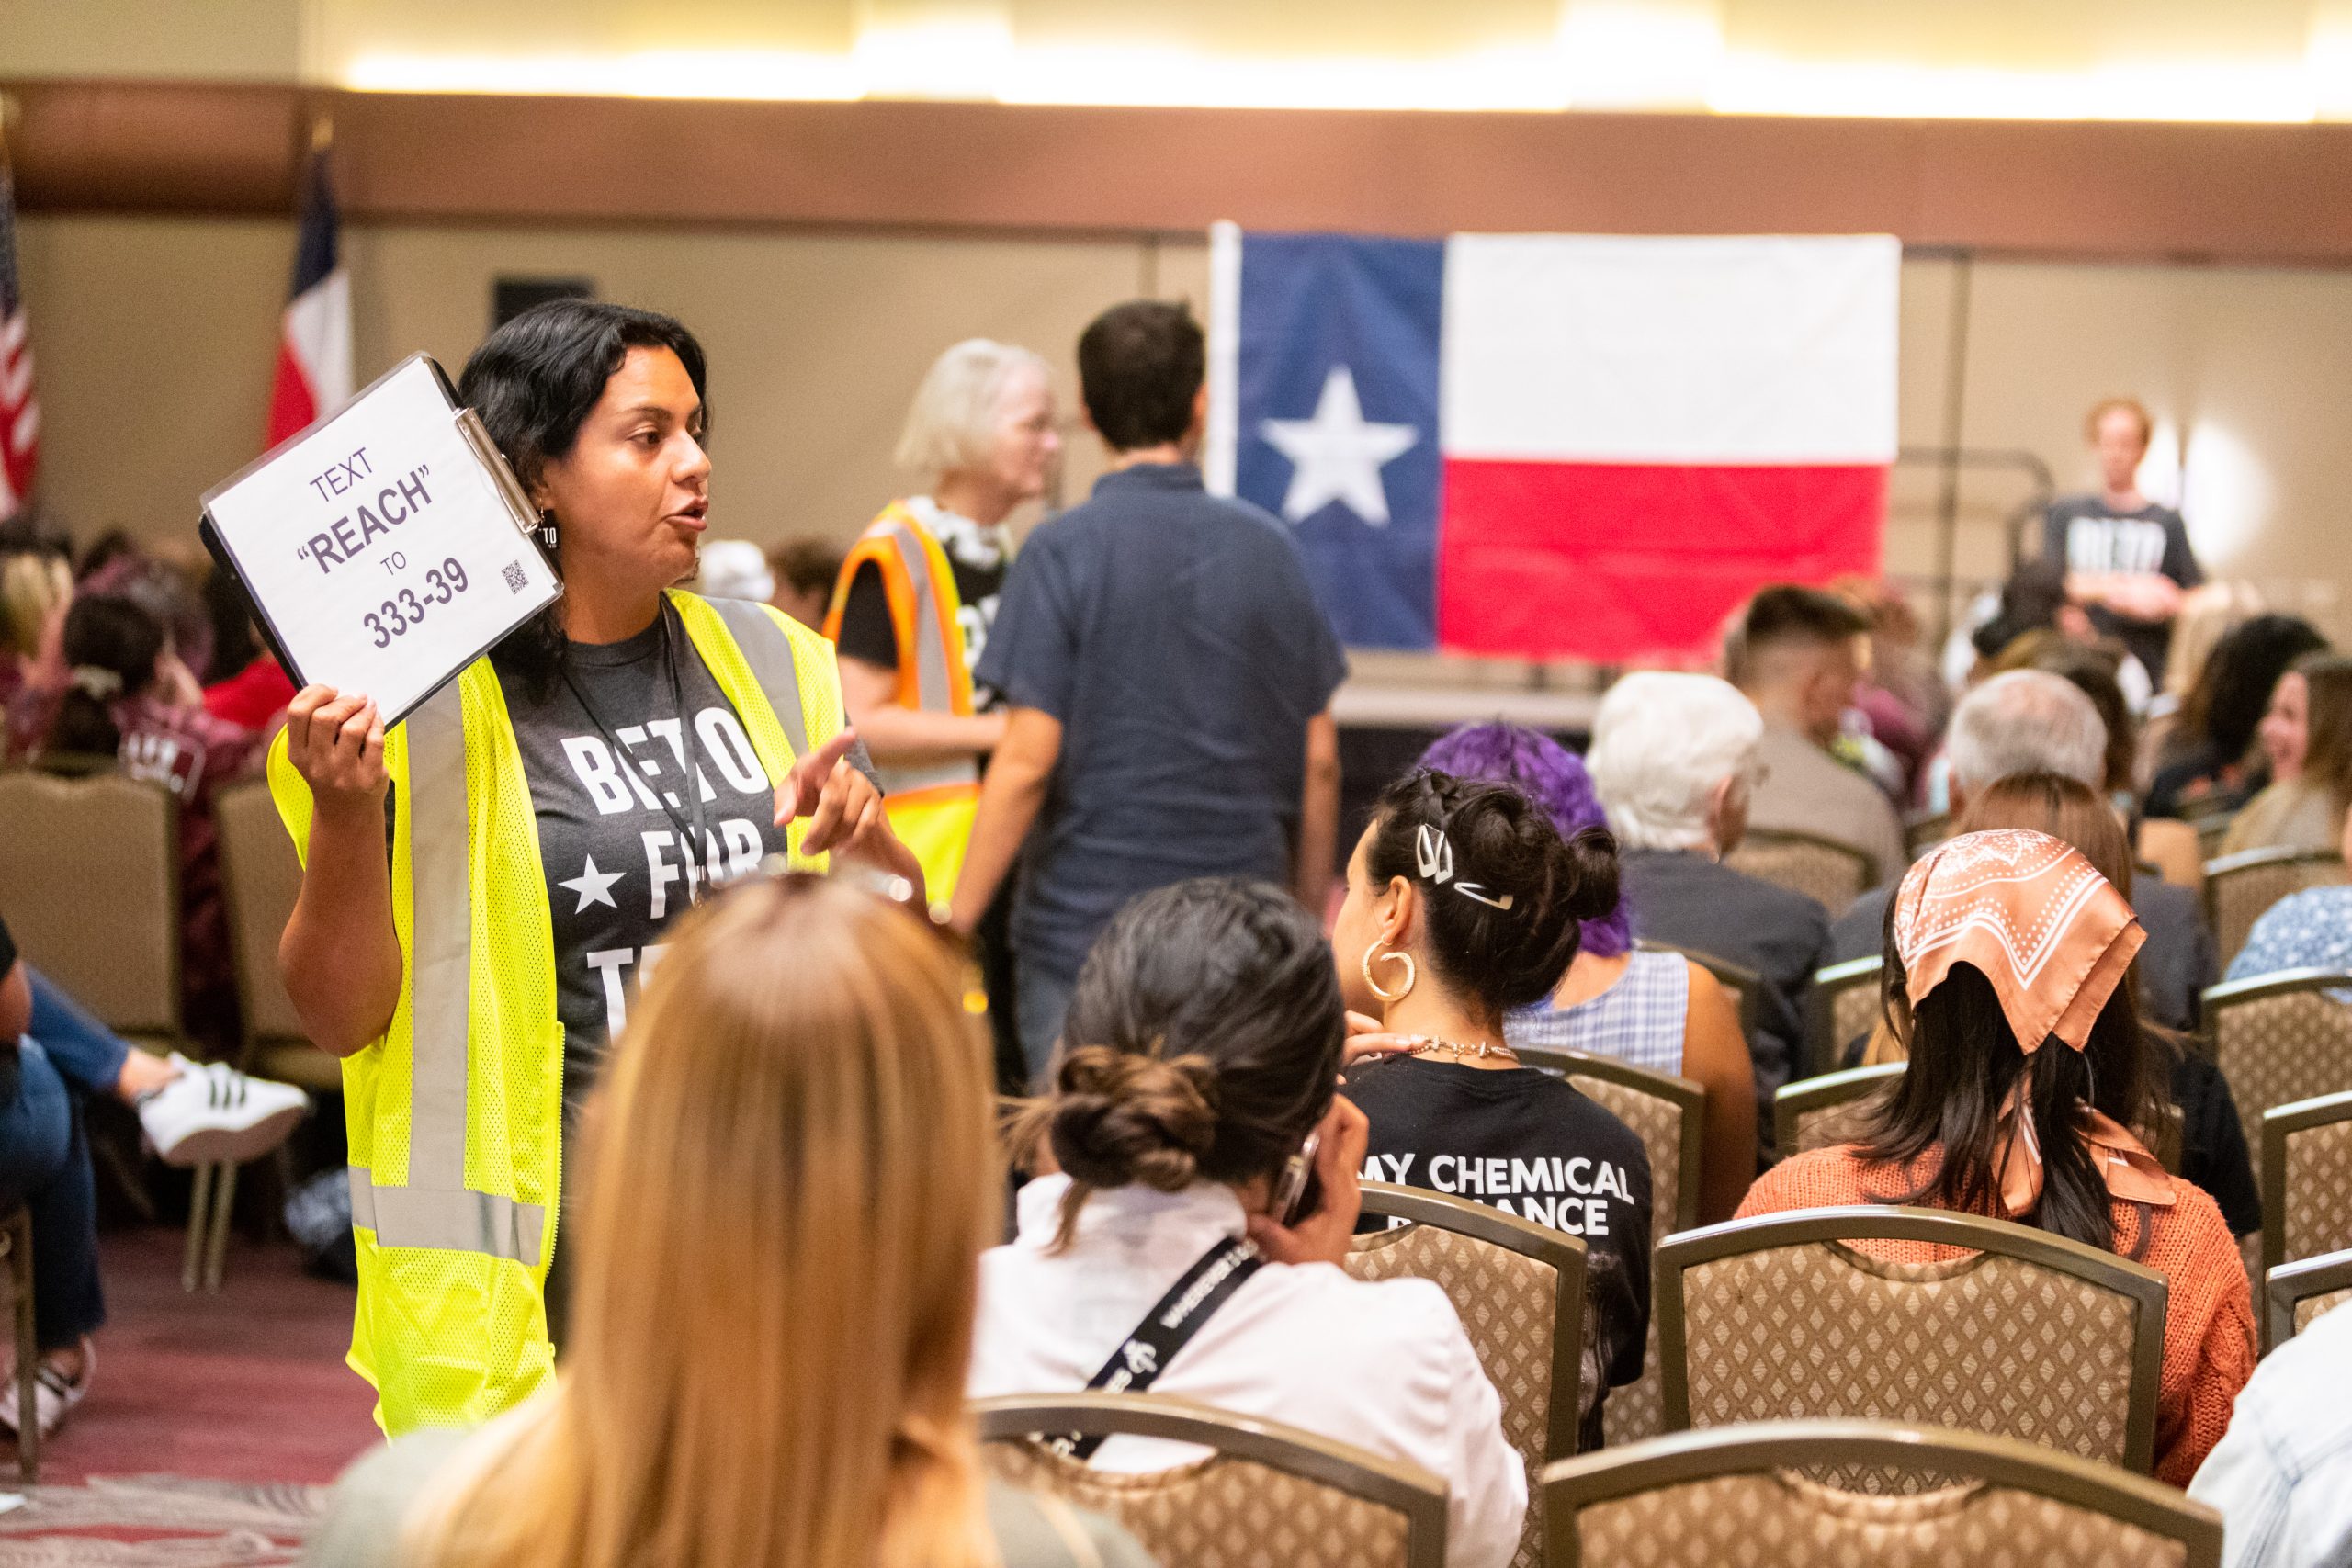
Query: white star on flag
point(593, 887)
point(1337, 456)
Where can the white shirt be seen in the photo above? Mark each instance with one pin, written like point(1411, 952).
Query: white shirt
point(1383, 1366)
point(2282, 1474)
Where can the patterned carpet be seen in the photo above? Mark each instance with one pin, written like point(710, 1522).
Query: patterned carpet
point(160, 1521)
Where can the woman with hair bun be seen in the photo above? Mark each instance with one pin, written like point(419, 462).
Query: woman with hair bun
point(1174, 1164)
point(1463, 906)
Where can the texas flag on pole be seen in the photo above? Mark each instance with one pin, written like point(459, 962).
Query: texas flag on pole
point(314, 347)
point(1542, 445)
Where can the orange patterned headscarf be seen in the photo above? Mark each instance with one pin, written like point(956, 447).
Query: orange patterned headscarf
point(2034, 917)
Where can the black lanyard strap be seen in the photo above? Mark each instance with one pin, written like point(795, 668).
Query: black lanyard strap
point(698, 848)
point(1167, 1328)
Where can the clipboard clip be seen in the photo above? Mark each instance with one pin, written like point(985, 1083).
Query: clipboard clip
point(510, 488)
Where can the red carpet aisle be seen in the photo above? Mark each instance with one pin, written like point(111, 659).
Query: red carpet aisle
point(209, 1416)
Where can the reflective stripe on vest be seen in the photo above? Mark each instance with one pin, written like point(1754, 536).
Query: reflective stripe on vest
point(912, 563)
point(768, 652)
point(434, 1208)
point(934, 694)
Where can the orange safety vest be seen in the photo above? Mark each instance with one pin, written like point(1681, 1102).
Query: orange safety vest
point(931, 805)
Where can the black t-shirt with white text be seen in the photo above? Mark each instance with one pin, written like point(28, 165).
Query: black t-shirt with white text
point(976, 558)
point(2084, 535)
point(1531, 1145)
point(617, 868)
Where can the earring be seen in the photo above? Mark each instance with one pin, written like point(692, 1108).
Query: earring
point(1377, 952)
point(547, 530)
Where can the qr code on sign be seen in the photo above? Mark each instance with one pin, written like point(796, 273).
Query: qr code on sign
point(514, 578)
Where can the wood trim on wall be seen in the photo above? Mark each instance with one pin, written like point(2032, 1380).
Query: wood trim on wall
point(2236, 193)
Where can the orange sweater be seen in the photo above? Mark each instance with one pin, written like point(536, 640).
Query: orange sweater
point(2208, 1312)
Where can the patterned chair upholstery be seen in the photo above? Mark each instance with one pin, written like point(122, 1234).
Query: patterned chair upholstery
point(1739, 1498)
point(2279, 1039)
point(1666, 1114)
point(2295, 1294)
point(1267, 1496)
point(1831, 874)
point(89, 887)
point(1841, 1008)
point(2306, 1179)
point(1819, 1113)
point(2002, 1329)
point(2238, 888)
point(1519, 1290)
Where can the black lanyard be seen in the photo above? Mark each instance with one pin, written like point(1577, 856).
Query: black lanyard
point(698, 846)
point(1167, 1328)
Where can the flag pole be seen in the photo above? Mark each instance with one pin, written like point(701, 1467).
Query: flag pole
point(321, 133)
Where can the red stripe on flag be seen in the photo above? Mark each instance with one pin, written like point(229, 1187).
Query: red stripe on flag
point(293, 404)
point(1617, 562)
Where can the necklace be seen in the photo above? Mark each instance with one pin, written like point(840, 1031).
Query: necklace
point(1428, 1042)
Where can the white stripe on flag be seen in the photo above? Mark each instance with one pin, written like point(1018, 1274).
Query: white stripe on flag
point(16, 378)
point(1610, 349)
point(1220, 444)
point(318, 327)
point(12, 333)
point(28, 425)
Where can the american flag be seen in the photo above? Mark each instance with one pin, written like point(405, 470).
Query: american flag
point(19, 409)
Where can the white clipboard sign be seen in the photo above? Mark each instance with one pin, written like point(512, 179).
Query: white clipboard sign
point(388, 547)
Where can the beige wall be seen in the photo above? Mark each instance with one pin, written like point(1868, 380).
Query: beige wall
point(154, 339)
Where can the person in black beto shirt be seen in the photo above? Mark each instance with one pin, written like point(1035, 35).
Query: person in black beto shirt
point(2126, 558)
point(1464, 903)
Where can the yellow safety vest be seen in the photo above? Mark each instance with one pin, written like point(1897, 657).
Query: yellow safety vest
point(455, 1115)
point(930, 805)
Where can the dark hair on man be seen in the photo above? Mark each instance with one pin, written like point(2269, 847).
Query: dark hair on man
point(105, 633)
point(2225, 705)
point(1786, 616)
point(1503, 846)
point(1139, 366)
point(1203, 1040)
point(534, 382)
point(807, 563)
point(1965, 1060)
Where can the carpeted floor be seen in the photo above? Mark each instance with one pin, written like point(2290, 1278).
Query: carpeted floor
point(212, 1426)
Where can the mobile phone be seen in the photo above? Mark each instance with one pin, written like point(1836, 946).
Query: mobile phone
point(1300, 1191)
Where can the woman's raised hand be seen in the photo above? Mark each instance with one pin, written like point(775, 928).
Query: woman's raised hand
point(844, 810)
point(335, 741)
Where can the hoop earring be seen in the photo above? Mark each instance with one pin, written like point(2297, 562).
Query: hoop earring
point(1376, 951)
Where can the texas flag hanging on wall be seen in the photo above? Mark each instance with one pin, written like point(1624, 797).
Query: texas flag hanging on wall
point(314, 344)
point(1547, 445)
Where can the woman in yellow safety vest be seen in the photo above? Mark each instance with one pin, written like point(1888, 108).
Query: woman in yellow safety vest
point(912, 605)
point(484, 884)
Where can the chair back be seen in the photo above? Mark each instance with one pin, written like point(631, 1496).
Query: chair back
point(1517, 1288)
point(1742, 1495)
point(1667, 1113)
point(1801, 1315)
point(2279, 1039)
point(1841, 1007)
point(2306, 1179)
point(1832, 874)
point(260, 876)
point(89, 887)
point(2239, 887)
point(1267, 1492)
point(1746, 986)
point(1820, 1114)
point(2295, 1294)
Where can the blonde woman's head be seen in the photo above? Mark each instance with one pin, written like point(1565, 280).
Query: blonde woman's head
point(34, 587)
point(984, 411)
point(790, 1175)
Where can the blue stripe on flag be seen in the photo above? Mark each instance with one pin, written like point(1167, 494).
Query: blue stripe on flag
point(315, 251)
point(1337, 426)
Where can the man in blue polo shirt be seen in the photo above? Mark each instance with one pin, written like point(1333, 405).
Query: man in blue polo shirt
point(1169, 677)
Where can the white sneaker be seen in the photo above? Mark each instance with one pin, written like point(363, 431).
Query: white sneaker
point(53, 1392)
point(212, 1115)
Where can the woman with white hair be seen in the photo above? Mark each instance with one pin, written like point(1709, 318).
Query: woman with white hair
point(1674, 760)
point(917, 593)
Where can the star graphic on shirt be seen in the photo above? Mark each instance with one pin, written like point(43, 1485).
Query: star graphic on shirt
point(593, 887)
point(1337, 456)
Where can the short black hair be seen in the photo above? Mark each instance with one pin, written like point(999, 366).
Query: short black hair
point(1787, 616)
point(1139, 366)
point(535, 380)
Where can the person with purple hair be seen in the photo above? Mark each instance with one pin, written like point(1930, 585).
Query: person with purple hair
point(1654, 1009)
